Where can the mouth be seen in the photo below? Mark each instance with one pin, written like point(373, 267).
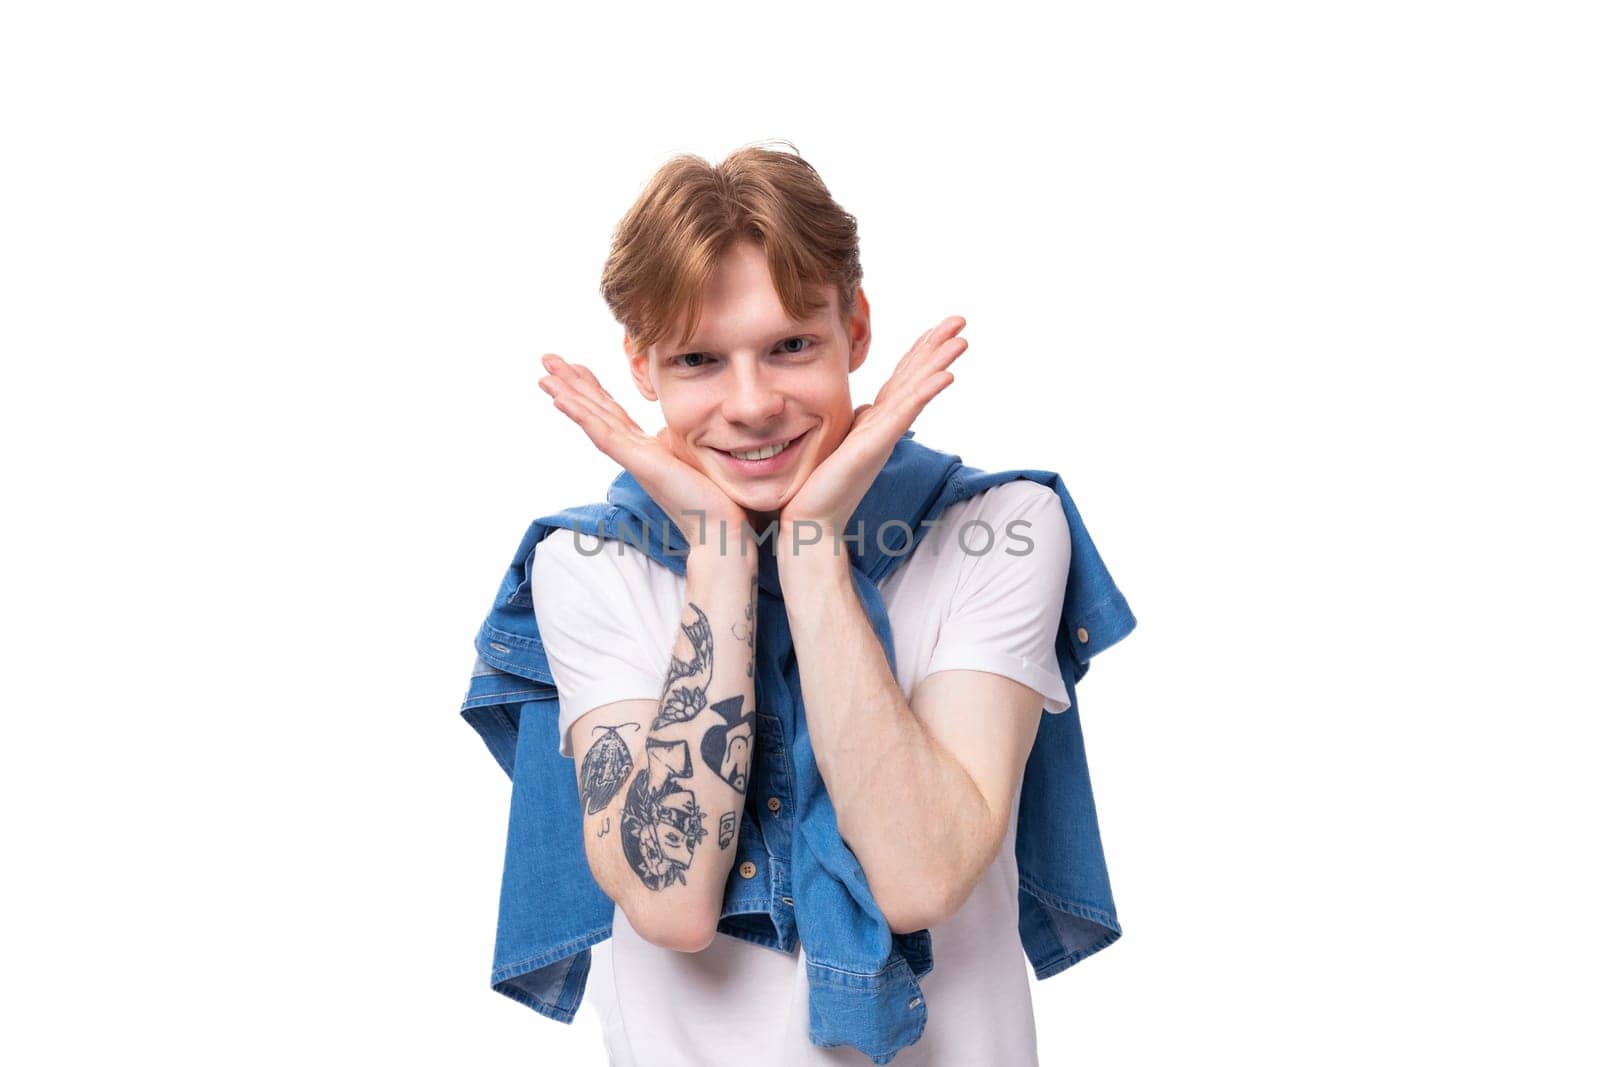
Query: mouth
point(768, 462)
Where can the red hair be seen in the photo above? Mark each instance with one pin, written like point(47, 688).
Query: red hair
point(690, 213)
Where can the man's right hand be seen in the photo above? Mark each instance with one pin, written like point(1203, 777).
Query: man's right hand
point(683, 492)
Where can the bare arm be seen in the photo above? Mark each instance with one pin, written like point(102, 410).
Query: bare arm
point(922, 790)
point(906, 807)
point(662, 783)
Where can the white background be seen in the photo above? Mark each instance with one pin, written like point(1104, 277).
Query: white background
point(1298, 298)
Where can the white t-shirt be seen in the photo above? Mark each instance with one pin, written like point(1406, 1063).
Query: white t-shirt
point(953, 605)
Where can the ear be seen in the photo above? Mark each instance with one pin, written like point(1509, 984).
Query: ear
point(639, 367)
point(859, 329)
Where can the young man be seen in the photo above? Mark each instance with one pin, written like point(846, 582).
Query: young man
point(918, 696)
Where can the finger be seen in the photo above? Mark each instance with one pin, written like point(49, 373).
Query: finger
point(582, 380)
point(586, 376)
point(575, 375)
point(946, 354)
point(931, 345)
point(940, 337)
point(607, 431)
point(935, 386)
point(597, 392)
point(570, 402)
point(941, 331)
point(903, 410)
point(907, 403)
point(913, 373)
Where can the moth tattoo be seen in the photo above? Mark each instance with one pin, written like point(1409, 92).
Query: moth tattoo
point(605, 768)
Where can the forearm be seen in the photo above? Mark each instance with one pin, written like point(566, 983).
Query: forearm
point(680, 817)
point(908, 810)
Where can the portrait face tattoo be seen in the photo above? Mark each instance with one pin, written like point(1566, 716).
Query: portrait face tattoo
point(661, 823)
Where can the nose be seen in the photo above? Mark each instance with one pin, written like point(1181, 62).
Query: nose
point(752, 399)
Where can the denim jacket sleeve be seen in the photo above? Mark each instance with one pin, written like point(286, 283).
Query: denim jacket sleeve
point(551, 908)
point(1065, 908)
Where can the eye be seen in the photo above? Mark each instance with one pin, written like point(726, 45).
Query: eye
point(681, 361)
point(804, 341)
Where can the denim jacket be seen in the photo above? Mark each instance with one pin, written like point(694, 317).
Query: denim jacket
point(793, 877)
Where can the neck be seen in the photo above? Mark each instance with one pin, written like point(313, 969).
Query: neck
point(760, 520)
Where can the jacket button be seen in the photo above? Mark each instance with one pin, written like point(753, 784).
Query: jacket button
point(1083, 636)
point(773, 804)
point(747, 869)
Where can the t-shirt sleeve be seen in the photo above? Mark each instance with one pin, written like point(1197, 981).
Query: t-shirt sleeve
point(601, 622)
point(1006, 607)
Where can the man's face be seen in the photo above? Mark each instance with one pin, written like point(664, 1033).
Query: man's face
point(751, 376)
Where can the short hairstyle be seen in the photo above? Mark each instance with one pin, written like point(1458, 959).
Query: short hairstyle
point(690, 213)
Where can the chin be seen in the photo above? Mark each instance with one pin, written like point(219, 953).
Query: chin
point(759, 506)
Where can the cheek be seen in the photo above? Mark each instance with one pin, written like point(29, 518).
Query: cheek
point(685, 413)
point(680, 422)
point(826, 400)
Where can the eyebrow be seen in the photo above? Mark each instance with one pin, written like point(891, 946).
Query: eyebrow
point(790, 330)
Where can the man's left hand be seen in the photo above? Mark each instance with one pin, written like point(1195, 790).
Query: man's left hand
point(832, 492)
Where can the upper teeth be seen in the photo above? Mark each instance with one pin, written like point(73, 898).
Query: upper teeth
point(761, 453)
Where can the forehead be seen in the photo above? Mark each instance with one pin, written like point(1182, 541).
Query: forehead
point(741, 306)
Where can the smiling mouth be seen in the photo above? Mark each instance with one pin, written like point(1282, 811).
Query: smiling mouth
point(757, 454)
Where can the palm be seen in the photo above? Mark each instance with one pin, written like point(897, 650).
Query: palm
point(680, 489)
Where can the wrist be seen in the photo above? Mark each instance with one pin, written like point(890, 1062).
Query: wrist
point(812, 539)
point(707, 532)
point(724, 551)
point(806, 559)
point(817, 585)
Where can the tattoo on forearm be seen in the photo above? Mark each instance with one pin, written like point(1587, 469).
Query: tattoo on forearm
point(661, 820)
point(749, 627)
point(680, 703)
point(661, 823)
point(605, 768)
point(725, 748)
